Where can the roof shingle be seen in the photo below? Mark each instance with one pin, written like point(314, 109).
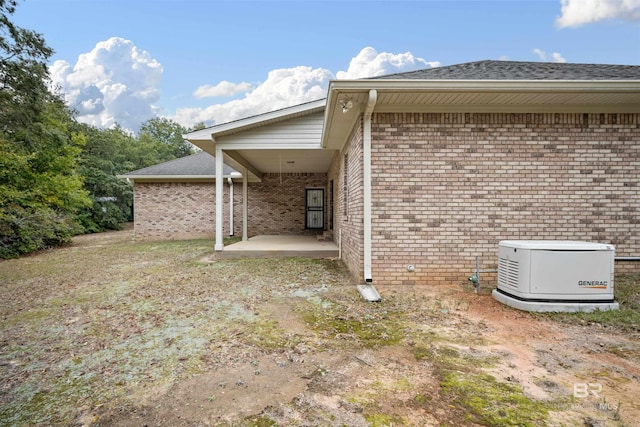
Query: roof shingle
point(196, 165)
point(514, 70)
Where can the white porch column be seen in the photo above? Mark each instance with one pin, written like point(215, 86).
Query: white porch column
point(245, 209)
point(219, 199)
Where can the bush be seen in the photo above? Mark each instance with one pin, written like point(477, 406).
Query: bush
point(23, 231)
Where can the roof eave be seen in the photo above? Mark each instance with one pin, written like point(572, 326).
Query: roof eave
point(339, 89)
point(171, 177)
point(208, 135)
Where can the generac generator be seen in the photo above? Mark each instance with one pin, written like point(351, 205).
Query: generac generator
point(550, 275)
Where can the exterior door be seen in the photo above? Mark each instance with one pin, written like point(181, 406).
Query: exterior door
point(314, 207)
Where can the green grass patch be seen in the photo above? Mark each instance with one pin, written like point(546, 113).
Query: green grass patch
point(370, 325)
point(627, 318)
point(478, 396)
point(490, 402)
point(382, 420)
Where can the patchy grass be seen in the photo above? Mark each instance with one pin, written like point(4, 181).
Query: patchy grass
point(99, 326)
point(85, 325)
point(626, 319)
point(492, 402)
point(371, 326)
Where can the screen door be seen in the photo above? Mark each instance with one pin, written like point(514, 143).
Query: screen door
point(315, 208)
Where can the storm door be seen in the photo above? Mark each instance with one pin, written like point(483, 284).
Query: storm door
point(314, 208)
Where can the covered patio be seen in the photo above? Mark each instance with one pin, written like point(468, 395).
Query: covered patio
point(280, 247)
point(281, 151)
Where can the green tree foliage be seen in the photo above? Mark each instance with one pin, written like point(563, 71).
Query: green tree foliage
point(58, 177)
point(168, 133)
point(102, 159)
point(112, 152)
point(23, 71)
point(40, 189)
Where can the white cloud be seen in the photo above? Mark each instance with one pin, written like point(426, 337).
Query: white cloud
point(370, 63)
point(579, 12)
point(114, 83)
point(282, 88)
point(555, 56)
point(117, 83)
point(222, 89)
point(290, 86)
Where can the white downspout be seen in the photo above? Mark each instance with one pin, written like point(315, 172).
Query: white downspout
point(230, 182)
point(219, 199)
point(373, 98)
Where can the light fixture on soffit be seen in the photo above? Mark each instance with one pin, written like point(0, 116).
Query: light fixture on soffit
point(346, 104)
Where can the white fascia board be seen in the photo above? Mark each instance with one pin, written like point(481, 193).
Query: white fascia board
point(259, 120)
point(170, 177)
point(408, 85)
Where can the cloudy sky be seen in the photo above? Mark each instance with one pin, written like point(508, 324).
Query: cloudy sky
point(212, 61)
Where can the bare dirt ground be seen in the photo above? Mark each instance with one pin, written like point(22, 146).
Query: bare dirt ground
point(110, 332)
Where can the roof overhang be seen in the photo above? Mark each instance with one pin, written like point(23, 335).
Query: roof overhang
point(205, 138)
point(174, 178)
point(347, 99)
point(245, 148)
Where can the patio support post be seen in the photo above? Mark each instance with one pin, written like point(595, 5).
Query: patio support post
point(219, 199)
point(245, 210)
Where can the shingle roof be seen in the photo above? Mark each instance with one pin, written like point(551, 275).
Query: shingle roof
point(196, 165)
point(513, 70)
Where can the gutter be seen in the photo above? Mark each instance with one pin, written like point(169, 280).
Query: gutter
point(367, 290)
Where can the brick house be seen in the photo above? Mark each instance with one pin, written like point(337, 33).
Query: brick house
point(432, 168)
point(176, 199)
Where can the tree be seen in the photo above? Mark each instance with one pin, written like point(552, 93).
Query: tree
point(105, 156)
point(167, 132)
point(40, 189)
point(23, 71)
point(111, 152)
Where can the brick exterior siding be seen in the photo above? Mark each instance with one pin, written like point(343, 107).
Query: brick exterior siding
point(277, 204)
point(186, 210)
point(181, 210)
point(348, 202)
point(448, 187)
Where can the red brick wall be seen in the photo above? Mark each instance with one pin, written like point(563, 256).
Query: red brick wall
point(448, 187)
point(186, 210)
point(181, 210)
point(277, 204)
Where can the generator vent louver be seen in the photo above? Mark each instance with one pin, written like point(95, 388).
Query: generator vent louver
point(508, 273)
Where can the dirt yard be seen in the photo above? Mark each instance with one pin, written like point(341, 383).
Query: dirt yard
point(111, 332)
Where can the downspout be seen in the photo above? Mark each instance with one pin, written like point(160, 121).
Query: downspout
point(367, 290)
point(230, 182)
point(219, 245)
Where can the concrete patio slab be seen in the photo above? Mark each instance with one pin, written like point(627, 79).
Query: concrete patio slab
point(280, 247)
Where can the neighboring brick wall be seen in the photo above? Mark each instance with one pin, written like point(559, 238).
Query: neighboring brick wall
point(348, 222)
point(448, 187)
point(277, 204)
point(181, 210)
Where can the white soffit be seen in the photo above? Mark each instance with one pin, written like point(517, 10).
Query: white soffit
point(473, 96)
point(289, 161)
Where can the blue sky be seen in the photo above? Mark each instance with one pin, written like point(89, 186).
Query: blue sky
point(124, 61)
